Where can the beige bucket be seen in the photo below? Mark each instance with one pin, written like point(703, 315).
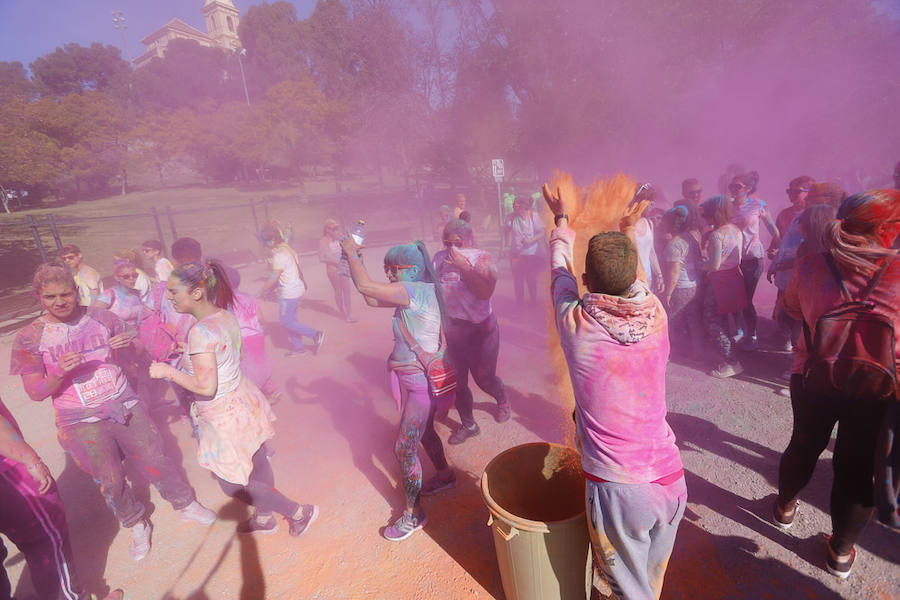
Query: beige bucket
point(535, 493)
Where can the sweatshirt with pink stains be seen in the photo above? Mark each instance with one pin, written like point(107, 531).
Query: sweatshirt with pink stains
point(617, 348)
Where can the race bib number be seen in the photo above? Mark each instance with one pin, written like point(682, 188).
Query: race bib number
point(96, 389)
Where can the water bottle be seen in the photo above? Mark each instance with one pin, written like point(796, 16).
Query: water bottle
point(358, 233)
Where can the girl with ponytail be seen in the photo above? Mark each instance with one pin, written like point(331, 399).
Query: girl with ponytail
point(859, 246)
point(232, 417)
point(413, 293)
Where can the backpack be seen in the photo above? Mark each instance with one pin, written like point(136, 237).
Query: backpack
point(852, 353)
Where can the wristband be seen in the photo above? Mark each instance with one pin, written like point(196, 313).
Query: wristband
point(556, 218)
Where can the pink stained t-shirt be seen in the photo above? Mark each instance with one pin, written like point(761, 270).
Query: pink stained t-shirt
point(616, 348)
point(38, 347)
point(220, 334)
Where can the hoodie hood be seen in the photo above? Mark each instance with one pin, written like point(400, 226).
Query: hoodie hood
point(628, 318)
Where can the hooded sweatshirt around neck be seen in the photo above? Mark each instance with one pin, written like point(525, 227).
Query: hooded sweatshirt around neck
point(616, 348)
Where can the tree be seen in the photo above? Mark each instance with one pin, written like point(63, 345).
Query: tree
point(74, 68)
point(14, 82)
point(293, 117)
point(271, 35)
point(159, 139)
point(29, 159)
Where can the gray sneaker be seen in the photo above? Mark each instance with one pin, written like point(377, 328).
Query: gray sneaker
point(139, 547)
point(464, 433)
point(405, 526)
point(308, 514)
point(436, 484)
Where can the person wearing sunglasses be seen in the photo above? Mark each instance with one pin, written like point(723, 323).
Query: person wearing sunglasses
point(749, 211)
point(418, 306)
point(468, 277)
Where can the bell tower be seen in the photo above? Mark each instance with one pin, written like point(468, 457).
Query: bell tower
point(222, 22)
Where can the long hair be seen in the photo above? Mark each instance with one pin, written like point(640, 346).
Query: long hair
point(433, 278)
point(851, 238)
point(814, 221)
point(417, 254)
point(212, 277)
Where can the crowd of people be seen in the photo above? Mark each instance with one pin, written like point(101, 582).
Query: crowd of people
point(686, 276)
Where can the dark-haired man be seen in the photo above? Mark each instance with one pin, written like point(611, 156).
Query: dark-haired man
point(616, 345)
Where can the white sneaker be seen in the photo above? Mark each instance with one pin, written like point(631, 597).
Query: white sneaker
point(726, 370)
point(139, 547)
point(199, 513)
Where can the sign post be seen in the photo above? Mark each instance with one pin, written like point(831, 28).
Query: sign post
point(498, 172)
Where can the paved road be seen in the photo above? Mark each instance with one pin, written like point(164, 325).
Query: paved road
point(334, 447)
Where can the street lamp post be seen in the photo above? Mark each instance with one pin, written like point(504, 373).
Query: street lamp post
point(118, 19)
point(241, 53)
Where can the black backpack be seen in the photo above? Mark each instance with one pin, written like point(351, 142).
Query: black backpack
point(852, 354)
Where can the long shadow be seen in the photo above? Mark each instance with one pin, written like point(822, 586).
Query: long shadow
point(546, 419)
point(253, 583)
point(704, 565)
point(457, 522)
point(92, 525)
point(370, 436)
point(320, 306)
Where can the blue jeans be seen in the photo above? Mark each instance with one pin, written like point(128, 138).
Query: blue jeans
point(287, 314)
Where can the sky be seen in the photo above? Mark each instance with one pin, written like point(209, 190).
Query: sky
point(32, 28)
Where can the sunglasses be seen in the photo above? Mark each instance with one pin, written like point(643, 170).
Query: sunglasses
point(392, 269)
point(449, 243)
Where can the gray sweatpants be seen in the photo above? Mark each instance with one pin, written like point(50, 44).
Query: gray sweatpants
point(632, 529)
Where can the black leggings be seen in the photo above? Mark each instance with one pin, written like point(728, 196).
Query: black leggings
point(752, 269)
point(260, 491)
point(852, 493)
point(474, 347)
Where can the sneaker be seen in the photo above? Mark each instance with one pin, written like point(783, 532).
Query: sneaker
point(436, 484)
point(503, 412)
point(738, 336)
point(783, 518)
point(199, 513)
point(788, 346)
point(308, 514)
point(839, 566)
point(786, 392)
point(464, 433)
point(319, 340)
point(256, 525)
point(295, 351)
point(139, 547)
point(726, 370)
point(404, 527)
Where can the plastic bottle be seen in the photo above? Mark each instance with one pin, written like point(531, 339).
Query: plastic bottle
point(358, 233)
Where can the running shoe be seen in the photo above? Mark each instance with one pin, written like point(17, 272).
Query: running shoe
point(783, 518)
point(320, 339)
point(463, 433)
point(503, 412)
point(256, 525)
point(139, 547)
point(839, 566)
point(405, 526)
point(726, 370)
point(437, 484)
point(199, 513)
point(308, 514)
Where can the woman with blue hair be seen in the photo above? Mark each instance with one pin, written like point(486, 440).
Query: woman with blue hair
point(418, 309)
point(680, 268)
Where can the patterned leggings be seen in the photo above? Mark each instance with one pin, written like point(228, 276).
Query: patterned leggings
point(416, 425)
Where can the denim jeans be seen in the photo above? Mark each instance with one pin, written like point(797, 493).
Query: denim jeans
point(287, 314)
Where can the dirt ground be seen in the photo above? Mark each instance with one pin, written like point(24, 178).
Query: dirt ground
point(334, 447)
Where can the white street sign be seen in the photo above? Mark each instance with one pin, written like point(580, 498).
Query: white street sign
point(497, 168)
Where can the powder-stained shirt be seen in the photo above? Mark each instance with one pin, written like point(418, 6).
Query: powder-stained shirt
point(220, 334)
point(616, 348)
point(685, 251)
point(163, 269)
point(729, 238)
point(86, 279)
point(122, 303)
point(524, 228)
point(813, 291)
point(246, 309)
point(284, 259)
point(461, 302)
point(7, 463)
point(38, 347)
point(747, 218)
point(791, 238)
point(422, 318)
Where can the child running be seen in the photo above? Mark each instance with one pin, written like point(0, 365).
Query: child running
point(232, 417)
point(68, 354)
